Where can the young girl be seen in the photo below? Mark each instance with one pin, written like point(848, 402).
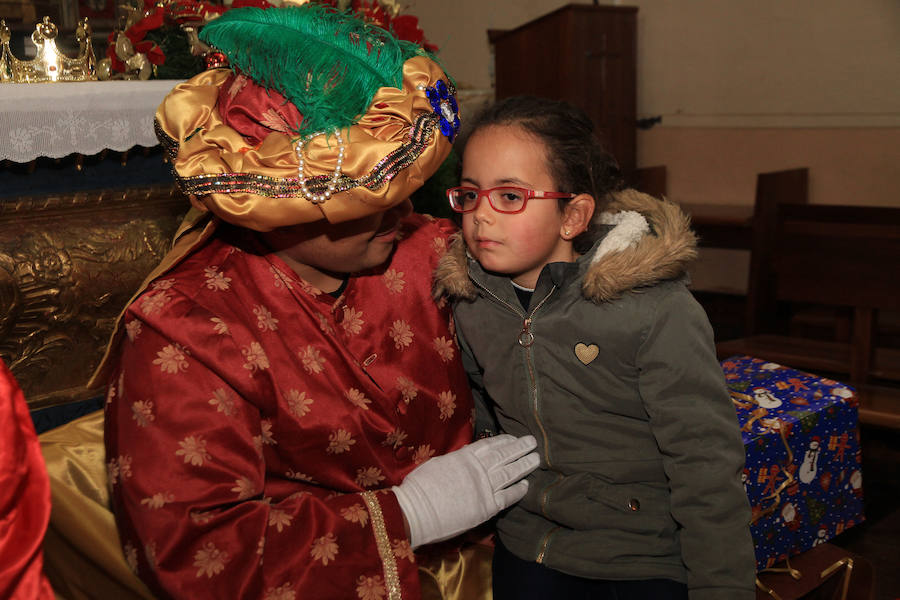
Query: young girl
point(581, 331)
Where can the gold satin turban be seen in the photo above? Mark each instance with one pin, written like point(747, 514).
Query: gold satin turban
point(389, 152)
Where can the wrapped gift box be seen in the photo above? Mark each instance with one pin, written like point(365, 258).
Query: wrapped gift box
point(803, 472)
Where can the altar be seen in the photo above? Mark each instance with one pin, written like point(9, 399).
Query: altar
point(87, 209)
point(56, 120)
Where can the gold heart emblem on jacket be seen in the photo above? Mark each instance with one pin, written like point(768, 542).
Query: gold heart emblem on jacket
point(586, 353)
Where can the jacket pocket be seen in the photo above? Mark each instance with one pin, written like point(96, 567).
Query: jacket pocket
point(586, 502)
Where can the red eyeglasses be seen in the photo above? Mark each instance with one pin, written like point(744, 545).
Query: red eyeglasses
point(508, 199)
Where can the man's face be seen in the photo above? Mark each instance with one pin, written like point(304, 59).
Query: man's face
point(324, 253)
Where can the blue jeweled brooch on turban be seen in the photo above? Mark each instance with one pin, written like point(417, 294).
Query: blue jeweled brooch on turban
point(443, 102)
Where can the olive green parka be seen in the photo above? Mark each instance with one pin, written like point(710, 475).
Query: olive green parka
point(613, 369)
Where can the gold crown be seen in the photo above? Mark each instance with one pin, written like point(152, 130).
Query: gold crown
point(49, 64)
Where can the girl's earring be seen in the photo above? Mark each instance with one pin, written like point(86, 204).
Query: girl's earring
point(567, 232)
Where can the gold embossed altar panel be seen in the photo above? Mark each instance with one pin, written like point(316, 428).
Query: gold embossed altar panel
point(68, 265)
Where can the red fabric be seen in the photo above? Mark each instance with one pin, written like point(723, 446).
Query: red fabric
point(24, 498)
point(255, 112)
point(249, 411)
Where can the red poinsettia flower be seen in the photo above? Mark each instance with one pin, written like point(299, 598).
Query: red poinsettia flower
point(254, 3)
point(152, 50)
point(153, 20)
point(406, 27)
point(136, 34)
point(191, 11)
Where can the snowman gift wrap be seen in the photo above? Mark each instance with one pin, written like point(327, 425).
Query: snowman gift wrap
point(803, 472)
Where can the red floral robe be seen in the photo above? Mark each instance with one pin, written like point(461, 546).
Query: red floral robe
point(254, 425)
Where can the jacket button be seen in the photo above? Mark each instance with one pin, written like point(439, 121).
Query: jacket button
point(634, 505)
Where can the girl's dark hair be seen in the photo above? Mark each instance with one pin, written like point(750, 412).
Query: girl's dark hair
point(578, 162)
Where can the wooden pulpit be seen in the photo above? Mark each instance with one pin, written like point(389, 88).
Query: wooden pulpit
point(584, 54)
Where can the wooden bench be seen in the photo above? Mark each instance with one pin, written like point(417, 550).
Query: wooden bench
point(725, 237)
point(844, 256)
point(773, 190)
point(728, 225)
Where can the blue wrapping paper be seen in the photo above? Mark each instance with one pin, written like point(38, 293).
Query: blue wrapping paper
point(803, 473)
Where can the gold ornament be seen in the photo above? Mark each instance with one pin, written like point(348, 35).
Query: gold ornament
point(137, 64)
point(391, 7)
point(49, 64)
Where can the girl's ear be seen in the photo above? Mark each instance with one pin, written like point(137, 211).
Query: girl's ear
point(577, 216)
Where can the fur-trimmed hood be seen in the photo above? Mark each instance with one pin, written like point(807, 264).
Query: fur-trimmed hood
point(650, 241)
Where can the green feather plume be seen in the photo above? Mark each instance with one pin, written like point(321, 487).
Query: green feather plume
point(327, 63)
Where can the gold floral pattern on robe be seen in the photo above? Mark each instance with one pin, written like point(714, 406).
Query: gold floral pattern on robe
point(256, 425)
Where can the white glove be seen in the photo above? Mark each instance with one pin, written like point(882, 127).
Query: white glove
point(447, 495)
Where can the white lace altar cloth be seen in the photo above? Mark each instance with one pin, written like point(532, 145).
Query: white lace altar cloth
point(58, 119)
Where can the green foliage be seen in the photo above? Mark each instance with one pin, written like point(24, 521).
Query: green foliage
point(327, 63)
point(180, 63)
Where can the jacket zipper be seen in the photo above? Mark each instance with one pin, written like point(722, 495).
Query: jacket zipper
point(526, 339)
point(544, 543)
